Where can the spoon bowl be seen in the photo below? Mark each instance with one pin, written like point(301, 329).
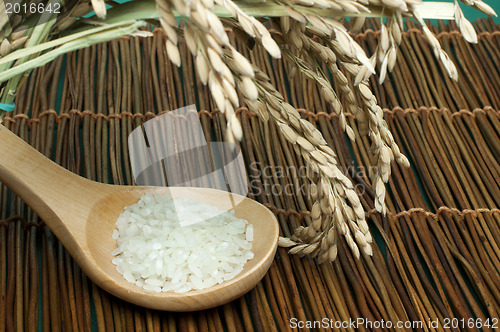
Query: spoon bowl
point(83, 213)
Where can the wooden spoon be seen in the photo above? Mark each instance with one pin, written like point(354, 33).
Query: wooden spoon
point(82, 214)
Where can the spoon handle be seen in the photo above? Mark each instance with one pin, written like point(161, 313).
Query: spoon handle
point(47, 187)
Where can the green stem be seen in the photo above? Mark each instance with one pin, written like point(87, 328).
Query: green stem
point(38, 35)
point(6, 61)
point(146, 9)
point(79, 43)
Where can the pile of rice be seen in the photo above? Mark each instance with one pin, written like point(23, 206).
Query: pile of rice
point(157, 253)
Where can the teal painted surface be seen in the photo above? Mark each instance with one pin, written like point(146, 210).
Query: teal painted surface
point(473, 14)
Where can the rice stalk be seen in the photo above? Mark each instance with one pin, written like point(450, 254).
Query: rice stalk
point(309, 33)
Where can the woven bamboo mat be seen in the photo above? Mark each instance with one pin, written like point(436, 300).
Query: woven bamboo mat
point(439, 245)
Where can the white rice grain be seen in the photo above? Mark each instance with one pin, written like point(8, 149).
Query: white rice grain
point(156, 252)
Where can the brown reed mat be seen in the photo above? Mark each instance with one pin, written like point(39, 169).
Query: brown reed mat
point(438, 255)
